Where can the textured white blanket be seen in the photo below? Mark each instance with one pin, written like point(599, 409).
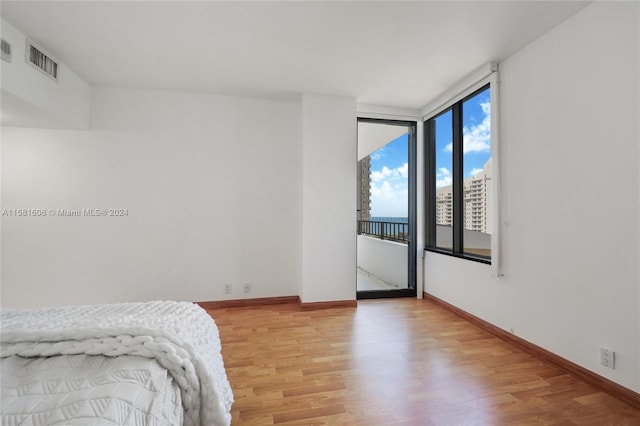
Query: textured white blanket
point(181, 336)
point(88, 390)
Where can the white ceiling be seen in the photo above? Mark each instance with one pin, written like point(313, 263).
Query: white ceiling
point(400, 54)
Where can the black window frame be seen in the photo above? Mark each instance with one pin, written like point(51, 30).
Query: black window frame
point(457, 186)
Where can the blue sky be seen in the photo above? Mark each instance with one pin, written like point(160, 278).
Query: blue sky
point(389, 164)
point(389, 179)
point(476, 123)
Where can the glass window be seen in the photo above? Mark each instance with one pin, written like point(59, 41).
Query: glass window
point(459, 189)
point(476, 146)
point(444, 180)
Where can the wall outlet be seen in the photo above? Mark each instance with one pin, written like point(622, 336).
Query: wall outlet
point(247, 287)
point(227, 289)
point(608, 358)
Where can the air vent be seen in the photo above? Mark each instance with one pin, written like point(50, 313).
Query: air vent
point(37, 57)
point(6, 51)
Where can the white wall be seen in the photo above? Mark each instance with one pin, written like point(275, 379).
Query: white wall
point(387, 260)
point(569, 163)
point(212, 188)
point(329, 198)
point(30, 97)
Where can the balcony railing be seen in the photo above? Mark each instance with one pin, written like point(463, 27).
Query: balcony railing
point(392, 231)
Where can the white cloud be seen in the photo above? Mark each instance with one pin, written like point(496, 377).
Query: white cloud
point(443, 171)
point(486, 108)
point(389, 191)
point(404, 170)
point(443, 178)
point(384, 191)
point(475, 171)
point(379, 175)
point(388, 200)
point(401, 172)
point(476, 138)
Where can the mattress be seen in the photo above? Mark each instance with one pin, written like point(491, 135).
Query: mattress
point(88, 390)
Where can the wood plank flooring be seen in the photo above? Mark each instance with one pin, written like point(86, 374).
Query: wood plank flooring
point(394, 362)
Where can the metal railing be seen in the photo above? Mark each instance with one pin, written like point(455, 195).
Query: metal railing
point(392, 231)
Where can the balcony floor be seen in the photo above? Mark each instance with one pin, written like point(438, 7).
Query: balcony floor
point(368, 281)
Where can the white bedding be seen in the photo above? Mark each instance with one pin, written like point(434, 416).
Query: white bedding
point(180, 336)
point(88, 390)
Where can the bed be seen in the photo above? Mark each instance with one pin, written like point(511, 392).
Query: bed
point(154, 363)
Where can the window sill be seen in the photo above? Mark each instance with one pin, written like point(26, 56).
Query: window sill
point(466, 256)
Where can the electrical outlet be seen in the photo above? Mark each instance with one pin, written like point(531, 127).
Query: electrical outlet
point(247, 287)
point(608, 358)
point(227, 289)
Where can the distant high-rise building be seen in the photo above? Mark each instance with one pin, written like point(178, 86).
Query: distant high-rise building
point(477, 202)
point(364, 188)
point(444, 206)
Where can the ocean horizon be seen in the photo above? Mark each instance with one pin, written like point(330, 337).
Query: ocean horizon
point(389, 219)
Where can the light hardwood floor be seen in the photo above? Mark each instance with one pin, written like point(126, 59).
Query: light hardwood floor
point(394, 362)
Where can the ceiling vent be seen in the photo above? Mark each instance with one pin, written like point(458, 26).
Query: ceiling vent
point(6, 51)
point(40, 59)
